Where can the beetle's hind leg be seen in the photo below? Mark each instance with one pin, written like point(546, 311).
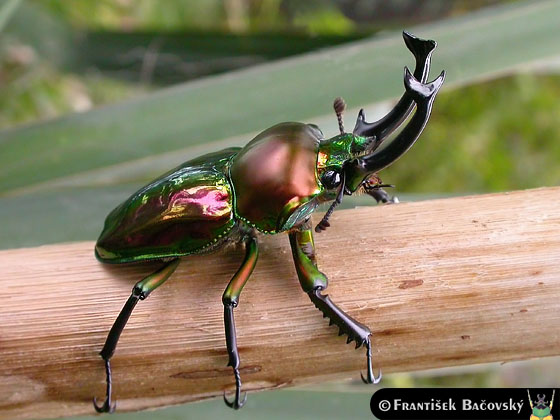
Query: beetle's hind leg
point(313, 282)
point(230, 300)
point(140, 291)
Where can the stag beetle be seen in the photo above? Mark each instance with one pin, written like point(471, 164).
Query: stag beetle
point(541, 409)
point(271, 185)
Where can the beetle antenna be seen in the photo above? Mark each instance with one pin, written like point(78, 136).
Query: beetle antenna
point(339, 106)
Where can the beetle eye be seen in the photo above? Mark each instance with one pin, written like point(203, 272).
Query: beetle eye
point(331, 179)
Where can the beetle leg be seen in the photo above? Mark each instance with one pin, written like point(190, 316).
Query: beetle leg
point(230, 299)
point(140, 291)
point(324, 223)
point(314, 281)
point(381, 196)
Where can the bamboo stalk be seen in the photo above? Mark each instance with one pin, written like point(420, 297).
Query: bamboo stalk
point(440, 283)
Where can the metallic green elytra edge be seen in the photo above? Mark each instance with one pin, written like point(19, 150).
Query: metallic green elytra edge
point(186, 210)
point(271, 185)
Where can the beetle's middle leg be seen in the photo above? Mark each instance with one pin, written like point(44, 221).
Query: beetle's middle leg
point(230, 299)
point(314, 281)
point(140, 291)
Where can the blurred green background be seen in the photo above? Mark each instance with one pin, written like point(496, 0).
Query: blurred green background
point(97, 97)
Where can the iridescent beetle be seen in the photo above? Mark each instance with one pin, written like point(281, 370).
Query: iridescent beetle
point(271, 185)
point(541, 409)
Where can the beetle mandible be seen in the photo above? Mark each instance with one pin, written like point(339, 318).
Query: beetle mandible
point(271, 185)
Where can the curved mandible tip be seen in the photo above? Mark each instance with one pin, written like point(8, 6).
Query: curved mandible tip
point(419, 90)
point(418, 46)
point(422, 50)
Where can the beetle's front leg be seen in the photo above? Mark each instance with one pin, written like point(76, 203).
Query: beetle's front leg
point(373, 187)
point(381, 196)
point(230, 300)
point(314, 281)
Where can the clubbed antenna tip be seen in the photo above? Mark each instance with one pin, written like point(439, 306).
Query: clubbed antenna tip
point(339, 106)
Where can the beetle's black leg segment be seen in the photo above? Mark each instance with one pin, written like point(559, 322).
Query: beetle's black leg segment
point(314, 281)
point(140, 291)
point(231, 342)
point(370, 378)
point(106, 407)
point(230, 300)
point(381, 196)
point(324, 223)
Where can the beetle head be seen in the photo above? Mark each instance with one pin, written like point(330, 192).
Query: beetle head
point(350, 161)
point(358, 158)
point(333, 154)
point(337, 151)
point(359, 152)
point(541, 401)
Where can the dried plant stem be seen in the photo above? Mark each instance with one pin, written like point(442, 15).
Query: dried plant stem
point(440, 283)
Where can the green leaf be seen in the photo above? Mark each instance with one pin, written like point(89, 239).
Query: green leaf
point(71, 214)
point(6, 12)
point(60, 178)
point(185, 55)
point(243, 102)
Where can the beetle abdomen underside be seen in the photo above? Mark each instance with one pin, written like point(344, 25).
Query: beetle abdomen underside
point(183, 212)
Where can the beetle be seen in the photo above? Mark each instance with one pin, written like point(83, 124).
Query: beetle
point(271, 185)
point(540, 408)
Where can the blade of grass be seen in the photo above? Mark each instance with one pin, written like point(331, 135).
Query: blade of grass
point(497, 148)
point(187, 55)
point(245, 101)
point(7, 11)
